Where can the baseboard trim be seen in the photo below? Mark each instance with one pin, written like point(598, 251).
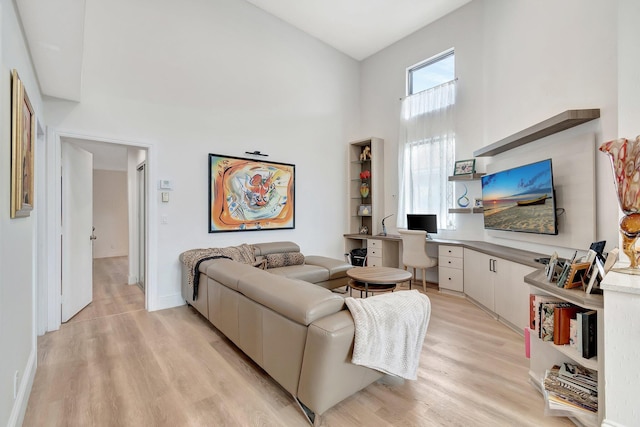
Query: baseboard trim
point(22, 399)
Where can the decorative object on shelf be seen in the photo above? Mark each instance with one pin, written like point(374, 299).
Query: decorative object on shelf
point(366, 154)
point(477, 203)
point(247, 194)
point(364, 189)
point(23, 133)
point(625, 162)
point(384, 228)
point(463, 201)
point(364, 210)
point(364, 230)
point(364, 185)
point(465, 167)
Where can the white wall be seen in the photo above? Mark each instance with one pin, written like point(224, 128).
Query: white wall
point(518, 63)
point(220, 76)
point(17, 236)
point(110, 214)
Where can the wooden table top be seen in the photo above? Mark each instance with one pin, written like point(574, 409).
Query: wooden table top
point(381, 275)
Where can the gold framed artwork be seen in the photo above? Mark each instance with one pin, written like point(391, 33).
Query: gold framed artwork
point(23, 126)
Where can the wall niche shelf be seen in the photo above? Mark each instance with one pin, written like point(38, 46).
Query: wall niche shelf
point(555, 124)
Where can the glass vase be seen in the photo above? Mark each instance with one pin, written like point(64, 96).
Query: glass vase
point(625, 162)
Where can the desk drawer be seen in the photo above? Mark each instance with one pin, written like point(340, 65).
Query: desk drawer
point(374, 261)
point(451, 262)
point(454, 251)
point(374, 252)
point(451, 279)
point(374, 244)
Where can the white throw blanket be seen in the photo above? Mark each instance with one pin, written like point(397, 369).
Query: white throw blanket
point(390, 330)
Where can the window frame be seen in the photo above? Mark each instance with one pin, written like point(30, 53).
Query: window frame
point(423, 64)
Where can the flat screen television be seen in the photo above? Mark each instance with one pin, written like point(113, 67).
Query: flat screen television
point(426, 222)
point(521, 199)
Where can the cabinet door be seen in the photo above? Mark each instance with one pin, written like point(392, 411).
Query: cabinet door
point(478, 277)
point(511, 292)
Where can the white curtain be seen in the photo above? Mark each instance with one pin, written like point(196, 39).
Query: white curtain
point(426, 154)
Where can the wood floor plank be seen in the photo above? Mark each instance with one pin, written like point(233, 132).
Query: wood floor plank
point(173, 368)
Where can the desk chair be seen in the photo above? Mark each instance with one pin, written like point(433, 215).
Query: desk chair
point(414, 253)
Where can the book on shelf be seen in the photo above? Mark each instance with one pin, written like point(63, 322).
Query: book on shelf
point(547, 318)
point(565, 390)
point(562, 316)
point(588, 323)
point(575, 335)
point(535, 303)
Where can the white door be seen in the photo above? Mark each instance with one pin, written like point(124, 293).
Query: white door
point(77, 230)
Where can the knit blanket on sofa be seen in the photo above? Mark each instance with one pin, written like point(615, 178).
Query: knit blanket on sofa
point(389, 331)
point(194, 257)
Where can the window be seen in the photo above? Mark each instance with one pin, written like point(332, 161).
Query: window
point(431, 73)
point(427, 141)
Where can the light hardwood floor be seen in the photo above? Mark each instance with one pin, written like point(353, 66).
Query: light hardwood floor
point(172, 368)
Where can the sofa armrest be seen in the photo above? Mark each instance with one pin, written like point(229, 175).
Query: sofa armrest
point(328, 376)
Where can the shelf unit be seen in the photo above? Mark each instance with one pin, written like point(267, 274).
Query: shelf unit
point(555, 124)
point(466, 178)
point(375, 199)
point(545, 354)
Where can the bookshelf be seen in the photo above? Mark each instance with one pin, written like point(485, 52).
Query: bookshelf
point(545, 354)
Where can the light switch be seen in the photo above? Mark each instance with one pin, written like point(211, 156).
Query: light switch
point(166, 184)
point(165, 197)
point(164, 219)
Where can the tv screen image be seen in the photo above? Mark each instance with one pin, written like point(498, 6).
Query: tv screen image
point(521, 199)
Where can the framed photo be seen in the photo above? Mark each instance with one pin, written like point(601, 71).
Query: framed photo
point(250, 195)
point(23, 126)
point(364, 210)
point(465, 167)
point(576, 274)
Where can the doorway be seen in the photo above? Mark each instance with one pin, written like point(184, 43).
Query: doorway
point(136, 155)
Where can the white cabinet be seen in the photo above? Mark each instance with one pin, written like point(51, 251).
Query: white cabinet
point(511, 293)
point(479, 277)
point(498, 285)
point(450, 268)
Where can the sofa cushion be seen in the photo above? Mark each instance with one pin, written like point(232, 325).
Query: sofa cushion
point(306, 272)
point(297, 300)
point(229, 272)
point(274, 248)
point(337, 268)
point(284, 259)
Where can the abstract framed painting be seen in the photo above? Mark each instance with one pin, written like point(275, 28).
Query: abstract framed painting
point(23, 126)
point(250, 195)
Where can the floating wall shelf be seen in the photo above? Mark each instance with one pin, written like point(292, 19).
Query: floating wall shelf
point(555, 124)
point(470, 177)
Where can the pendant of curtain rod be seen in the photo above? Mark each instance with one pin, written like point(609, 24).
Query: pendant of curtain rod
point(454, 80)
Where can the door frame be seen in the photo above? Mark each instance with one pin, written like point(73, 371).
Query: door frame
point(54, 228)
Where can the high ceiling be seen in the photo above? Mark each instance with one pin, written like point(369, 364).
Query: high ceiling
point(359, 28)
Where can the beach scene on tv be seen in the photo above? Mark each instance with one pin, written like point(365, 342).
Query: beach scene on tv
point(520, 199)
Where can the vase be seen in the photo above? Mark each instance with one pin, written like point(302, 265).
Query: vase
point(463, 201)
point(364, 190)
point(625, 162)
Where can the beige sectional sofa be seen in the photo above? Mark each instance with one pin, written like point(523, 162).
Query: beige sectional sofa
point(299, 332)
